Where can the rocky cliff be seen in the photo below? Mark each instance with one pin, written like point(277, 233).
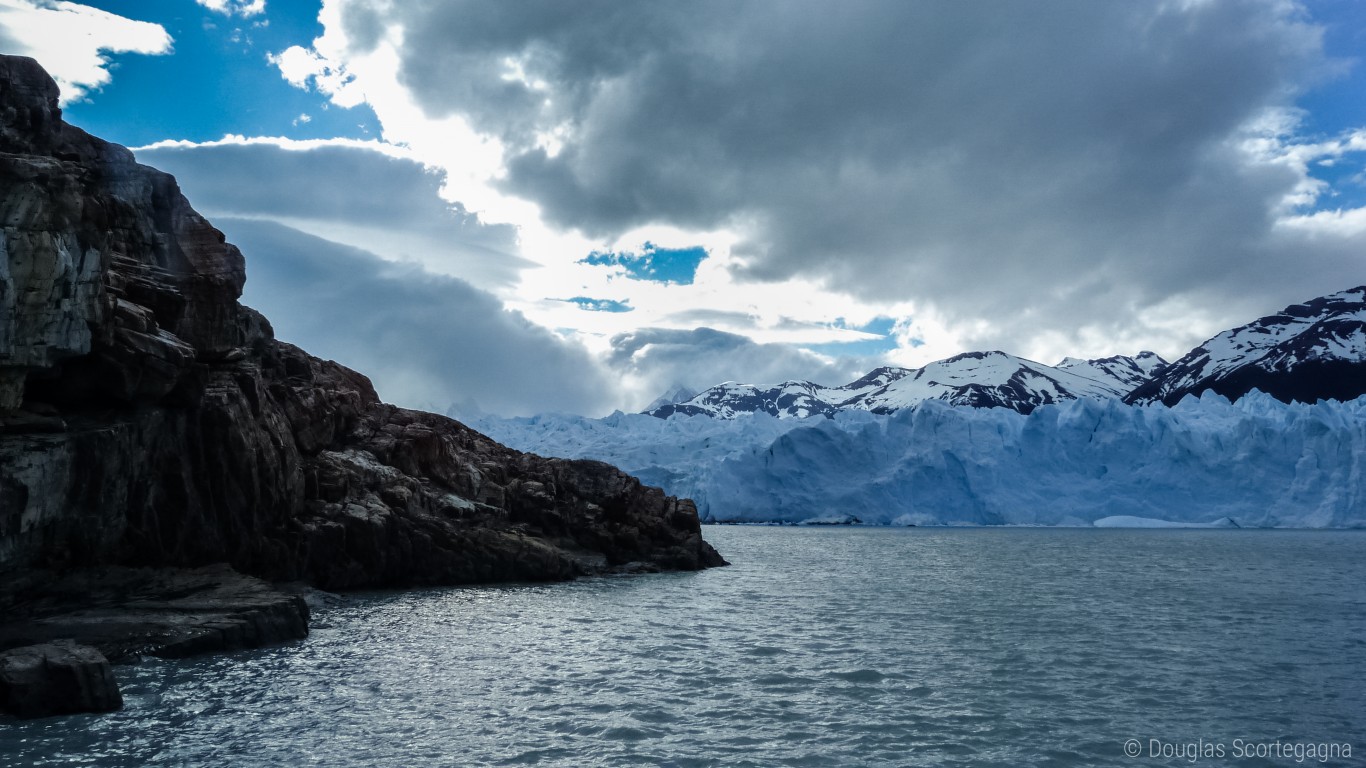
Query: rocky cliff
point(147, 418)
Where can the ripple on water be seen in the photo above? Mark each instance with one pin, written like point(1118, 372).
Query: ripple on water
point(860, 676)
point(1016, 648)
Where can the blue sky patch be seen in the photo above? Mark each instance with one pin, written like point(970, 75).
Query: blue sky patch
point(1346, 177)
point(1340, 101)
point(217, 80)
point(653, 263)
point(600, 305)
point(880, 325)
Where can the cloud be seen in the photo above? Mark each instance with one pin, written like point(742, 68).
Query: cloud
point(432, 341)
point(305, 69)
point(74, 42)
point(426, 340)
point(652, 360)
point(367, 194)
point(353, 254)
point(1049, 178)
point(244, 8)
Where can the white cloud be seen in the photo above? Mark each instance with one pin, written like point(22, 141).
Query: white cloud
point(287, 144)
point(1342, 224)
point(648, 361)
point(243, 8)
point(368, 194)
point(372, 208)
point(1051, 180)
point(73, 42)
point(306, 69)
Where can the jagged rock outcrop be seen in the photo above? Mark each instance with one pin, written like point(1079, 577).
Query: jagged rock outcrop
point(147, 418)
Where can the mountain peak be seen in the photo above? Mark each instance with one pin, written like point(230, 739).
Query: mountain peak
point(1310, 351)
point(676, 394)
point(1121, 371)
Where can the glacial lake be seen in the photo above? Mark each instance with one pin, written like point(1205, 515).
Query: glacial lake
point(818, 647)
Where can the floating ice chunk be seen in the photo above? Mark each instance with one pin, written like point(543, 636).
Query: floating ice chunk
point(1128, 521)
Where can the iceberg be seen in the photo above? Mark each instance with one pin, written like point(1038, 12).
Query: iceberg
point(1128, 521)
point(1257, 461)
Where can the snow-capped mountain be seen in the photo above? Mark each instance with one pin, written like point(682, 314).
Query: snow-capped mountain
point(679, 394)
point(791, 399)
point(1306, 352)
point(1126, 372)
point(979, 379)
point(985, 380)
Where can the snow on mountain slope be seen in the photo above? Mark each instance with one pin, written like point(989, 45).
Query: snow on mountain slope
point(1125, 372)
point(980, 379)
point(789, 400)
point(874, 379)
point(985, 380)
point(1306, 352)
point(679, 394)
point(1259, 461)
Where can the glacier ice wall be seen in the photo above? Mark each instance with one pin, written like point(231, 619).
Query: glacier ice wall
point(1258, 461)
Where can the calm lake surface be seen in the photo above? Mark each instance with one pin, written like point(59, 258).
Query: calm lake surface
point(819, 646)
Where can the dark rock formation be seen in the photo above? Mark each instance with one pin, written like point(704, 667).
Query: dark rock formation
point(56, 678)
point(148, 419)
point(168, 612)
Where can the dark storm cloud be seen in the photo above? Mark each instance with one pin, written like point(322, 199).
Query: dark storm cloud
point(347, 185)
point(425, 340)
point(1043, 165)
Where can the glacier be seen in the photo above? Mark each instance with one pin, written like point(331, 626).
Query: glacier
point(1256, 462)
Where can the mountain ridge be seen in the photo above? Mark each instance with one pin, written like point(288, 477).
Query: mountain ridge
point(1314, 350)
point(977, 379)
point(1310, 351)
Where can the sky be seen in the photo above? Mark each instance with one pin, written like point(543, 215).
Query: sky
point(548, 206)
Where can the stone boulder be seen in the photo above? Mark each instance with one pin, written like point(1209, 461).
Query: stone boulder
point(56, 678)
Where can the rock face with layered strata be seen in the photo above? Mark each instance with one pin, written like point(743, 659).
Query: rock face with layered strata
point(147, 418)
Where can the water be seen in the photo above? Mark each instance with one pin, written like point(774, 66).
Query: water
point(981, 647)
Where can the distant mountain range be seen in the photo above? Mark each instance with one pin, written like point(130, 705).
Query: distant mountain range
point(1306, 352)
